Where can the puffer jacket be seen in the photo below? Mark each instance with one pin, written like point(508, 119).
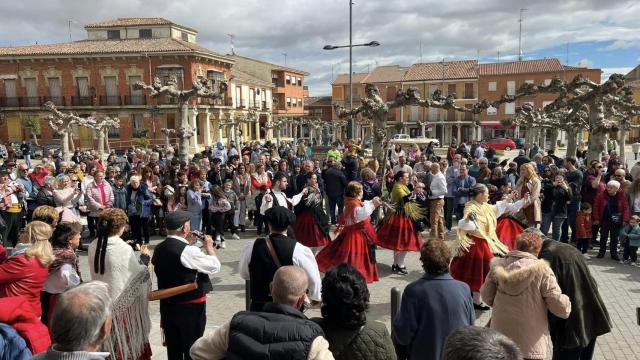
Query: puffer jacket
point(21, 275)
point(370, 342)
point(16, 312)
point(12, 345)
point(521, 289)
point(94, 198)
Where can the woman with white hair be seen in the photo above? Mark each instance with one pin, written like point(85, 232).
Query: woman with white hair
point(611, 213)
point(139, 202)
point(67, 194)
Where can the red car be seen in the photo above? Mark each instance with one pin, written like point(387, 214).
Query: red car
point(501, 144)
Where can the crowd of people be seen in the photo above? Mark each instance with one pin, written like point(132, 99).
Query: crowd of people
point(316, 222)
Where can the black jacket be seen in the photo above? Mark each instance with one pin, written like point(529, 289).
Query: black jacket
point(334, 182)
point(350, 167)
point(279, 332)
point(589, 317)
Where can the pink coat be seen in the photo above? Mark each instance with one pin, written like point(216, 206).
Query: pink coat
point(94, 199)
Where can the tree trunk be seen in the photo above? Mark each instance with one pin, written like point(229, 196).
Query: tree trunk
point(554, 139)
point(70, 141)
point(35, 139)
point(622, 140)
point(106, 141)
point(167, 142)
point(64, 141)
point(184, 127)
point(101, 145)
point(572, 142)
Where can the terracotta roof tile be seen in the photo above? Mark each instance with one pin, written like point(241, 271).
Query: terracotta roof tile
point(97, 47)
point(275, 66)
point(521, 67)
point(317, 101)
point(134, 21)
point(386, 74)
point(343, 79)
point(242, 76)
point(465, 69)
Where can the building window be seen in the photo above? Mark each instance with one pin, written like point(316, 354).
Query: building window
point(299, 81)
point(468, 91)
point(492, 111)
point(511, 87)
point(288, 81)
point(509, 108)
point(113, 34)
point(547, 82)
point(138, 121)
point(114, 132)
point(184, 36)
point(451, 89)
point(164, 73)
point(145, 34)
point(288, 102)
point(528, 81)
point(493, 86)
point(300, 102)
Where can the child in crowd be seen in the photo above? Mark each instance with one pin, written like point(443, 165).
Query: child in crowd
point(583, 228)
point(421, 198)
point(119, 193)
point(630, 240)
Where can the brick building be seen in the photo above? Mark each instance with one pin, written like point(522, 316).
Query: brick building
point(95, 77)
point(321, 107)
point(497, 79)
point(450, 77)
point(633, 79)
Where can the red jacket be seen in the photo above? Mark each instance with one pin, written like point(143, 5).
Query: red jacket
point(16, 312)
point(22, 276)
point(601, 202)
point(583, 225)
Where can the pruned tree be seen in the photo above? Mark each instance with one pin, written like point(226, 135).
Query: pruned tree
point(201, 87)
point(604, 106)
point(168, 134)
point(62, 123)
point(101, 127)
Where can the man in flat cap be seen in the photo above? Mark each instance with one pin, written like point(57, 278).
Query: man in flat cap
point(177, 261)
point(261, 258)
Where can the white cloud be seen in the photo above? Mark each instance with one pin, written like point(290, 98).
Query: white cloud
point(266, 29)
point(607, 72)
point(585, 63)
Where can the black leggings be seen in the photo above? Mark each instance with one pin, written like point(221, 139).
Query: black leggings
point(139, 229)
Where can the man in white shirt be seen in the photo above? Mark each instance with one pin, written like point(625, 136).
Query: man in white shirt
point(438, 190)
point(183, 315)
point(258, 263)
point(277, 197)
point(402, 166)
point(480, 151)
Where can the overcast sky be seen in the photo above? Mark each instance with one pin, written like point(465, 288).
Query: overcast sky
point(600, 33)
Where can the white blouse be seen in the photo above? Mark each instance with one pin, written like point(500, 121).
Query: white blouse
point(62, 279)
point(361, 213)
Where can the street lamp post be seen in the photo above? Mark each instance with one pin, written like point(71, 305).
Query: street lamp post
point(351, 127)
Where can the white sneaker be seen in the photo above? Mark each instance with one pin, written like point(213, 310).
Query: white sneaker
point(586, 256)
point(235, 237)
point(223, 246)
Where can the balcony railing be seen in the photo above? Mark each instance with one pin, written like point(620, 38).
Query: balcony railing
point(10, 101)
point(135, 100)
point(23, 102)
point(81, 101)
point(166, 100)
point(56, 100)
point(109, 100)
point(221, 102)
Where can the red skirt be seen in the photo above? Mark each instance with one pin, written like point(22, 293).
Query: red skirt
point(352, 247)
point(307, 231)
point(399, 234)
point(508, 230)
point(472, 267)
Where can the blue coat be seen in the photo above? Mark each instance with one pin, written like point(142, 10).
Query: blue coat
point(432, 307)
point(143, 200)
point(12, 345)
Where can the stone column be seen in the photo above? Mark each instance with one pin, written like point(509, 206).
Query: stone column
point(459, 137)
point(217, 127)
point(207, 128)
point(193, 141)
point(269, 131)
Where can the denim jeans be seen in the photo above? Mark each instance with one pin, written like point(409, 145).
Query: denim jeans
point(553, 222)
point(27, 159)
point(570, 222)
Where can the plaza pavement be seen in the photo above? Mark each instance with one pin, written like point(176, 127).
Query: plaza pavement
point(619, 286)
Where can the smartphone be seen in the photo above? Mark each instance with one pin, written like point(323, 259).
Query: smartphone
point(79, 185)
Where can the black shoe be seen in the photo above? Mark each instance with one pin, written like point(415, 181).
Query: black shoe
point(402, 270)
point(481, 307)
point(600, 256)
point(394, 268)
point(242, 228)
point(615, 257)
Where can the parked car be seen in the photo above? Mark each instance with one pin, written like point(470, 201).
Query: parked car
point(54, 148)
point(501, 144)
point(401, 136)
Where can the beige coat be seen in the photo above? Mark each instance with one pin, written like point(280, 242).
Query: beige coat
point(521, 289)
point(534, 186)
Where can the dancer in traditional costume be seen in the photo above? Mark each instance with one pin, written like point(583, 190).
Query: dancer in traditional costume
point(311, 228)
point(397, 231)
point(356, 236)
point(478, 242)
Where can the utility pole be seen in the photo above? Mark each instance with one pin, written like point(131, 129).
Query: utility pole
point(285, 58)
point(232, 41)
point(520, 35)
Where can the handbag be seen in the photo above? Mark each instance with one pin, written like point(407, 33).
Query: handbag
point(616, 218)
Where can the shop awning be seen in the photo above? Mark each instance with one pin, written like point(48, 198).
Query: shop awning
point(496, 125)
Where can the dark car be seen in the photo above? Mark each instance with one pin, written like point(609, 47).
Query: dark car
point(501, 144)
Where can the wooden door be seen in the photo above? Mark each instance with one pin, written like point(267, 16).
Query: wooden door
point(14, 126)
point(86, 137)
